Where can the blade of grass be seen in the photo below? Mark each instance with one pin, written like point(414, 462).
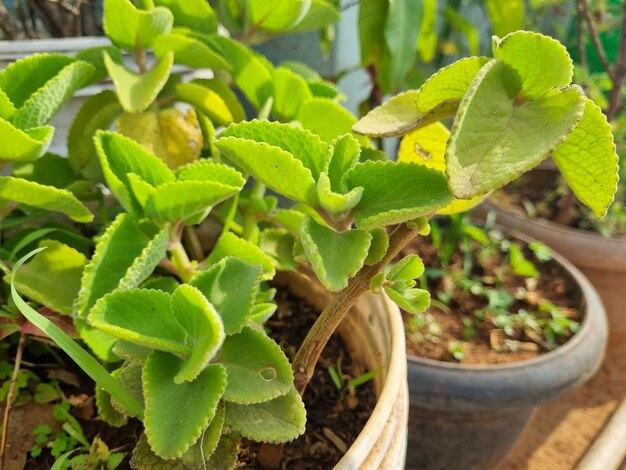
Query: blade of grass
point(84, 360)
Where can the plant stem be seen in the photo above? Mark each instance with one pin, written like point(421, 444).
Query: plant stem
point(10, 396)
point(583, 9)
point(250, 224)
point(180, 260)
point(326, 324)
point(193, 243)
point(140, 58)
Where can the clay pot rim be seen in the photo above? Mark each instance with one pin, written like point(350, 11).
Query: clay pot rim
point(591, 305)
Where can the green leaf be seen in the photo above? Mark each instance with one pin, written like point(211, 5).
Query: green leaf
point(326, 118)
point(494, 140)
point(207, 170)
point(407, 269)
point(126, 254)
point(44, 103)
point(278, 169)
point(204, 328)
point(120, 156)
point(52, 278)
point(336, 203)
point(279, 420)
point(401, 38)
point(372, 19)
point(19, 145)
point(84, 360)
point(588, 161)
point(141, 316)
point(230, 244)
point(412, 300)
point(346, 151)
point(51, 170)
point(437, 99)
point(207, 101)
point(137, 91)
point(334, 256)
point(378, 247)
point(144, 458)
point(276, 16)
point(130, 378)
point(231, 286)
point(190, 51)
point(257, 368)
point(7, 108)
point(250, 73)
point(506, 16)
point(95, 57)
point(542, 62)
point(320, 14)
point(519, 264)
point(396, 192)
point(106, 412)
point(427, 39)
point(100, 343)
point(202, 450)
point(278, 243)
point(44, 197)
point(171, 430)
point(98, 112)
point(196, 15)
point(300, 143)
point(128, 26)
point(290, 92)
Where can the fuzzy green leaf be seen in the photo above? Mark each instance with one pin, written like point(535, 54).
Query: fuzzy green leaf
point(207, 170)
point(379, 246)
point(202, 450)
point(250, 73)
point(326, 118)
point(302, 144)
point(126, 254)
point(176, 414)
point(494, 140)
point(53, 276)
point(278, 169)
point(19, 145)
point(320, 14)
point(588, 161)
point(257, 368)
point(437, 99)
point(230, 244)
point(290, 91)
point(127, 26)
point(542, 62)
point(401, 36)
point(334, 256)
point(231, 286)
point(129, 377)
point(141, 316)
point(47, 100)
point(276, 15)
point(196, 15)
point(204, 328)
point(279, 420)
point(207, 101)
point(7, 108)
point(407, 269)
point(137, 91)
point(346, 151)
point(190, 51)
point(44, 197)
point(396, 192)
point(412, 300)
point(98, 112)
point(336, 203)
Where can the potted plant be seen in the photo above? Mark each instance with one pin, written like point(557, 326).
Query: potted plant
point(193, 347)
point(508, 96)
point(542, 206)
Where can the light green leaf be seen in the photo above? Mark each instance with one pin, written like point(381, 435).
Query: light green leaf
point(95, 57)
point(334, 256)
point(171, 430)
point(407, 269)
point(249, 72)
point(378, 247)
point(278, 243)
point(130, 351)
point(98, 112)
point(412, 300)
point(542, 62)
point(129, 377)
point(127, 26)
point(190, 51)
point(276, 15)
point(44, 103)
point(301, 143)
point(231, 286)
point(437, 99)
point(279, 420)
point(320, 14)
point(204, 328)
point(207, 101)
point(519, 264)
point(505, 16)
point(141, 316)
point(346, 151)
point(202, 450)
point(336, 203)
point(137, 91)
point(226, 94)
point(278, 169)
point(7, 108)
point(230, 244)
point(53, 276)
point(396, 192)
point(494, 140)
point(19, 145)
point(196, 15)
point(144, 458)
point(207, 170)
point(44, 197)
point(100, 343)
point(459, 22)
point(401, 38)
point(427, 39)
point(326, 118)
point(257, 368)
point(126, 254)
point(290, 91)
point(372, 19)
point(588, 161)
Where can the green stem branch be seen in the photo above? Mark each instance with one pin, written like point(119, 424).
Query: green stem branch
point(180, 259)
point(10, 397)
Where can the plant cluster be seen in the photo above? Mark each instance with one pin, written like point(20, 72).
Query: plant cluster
point(183, 323)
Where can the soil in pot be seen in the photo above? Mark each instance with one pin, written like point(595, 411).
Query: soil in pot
point(334, 417)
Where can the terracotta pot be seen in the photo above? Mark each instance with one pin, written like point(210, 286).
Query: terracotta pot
point(469, 416)
point(374, 335)
point(603, 260)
